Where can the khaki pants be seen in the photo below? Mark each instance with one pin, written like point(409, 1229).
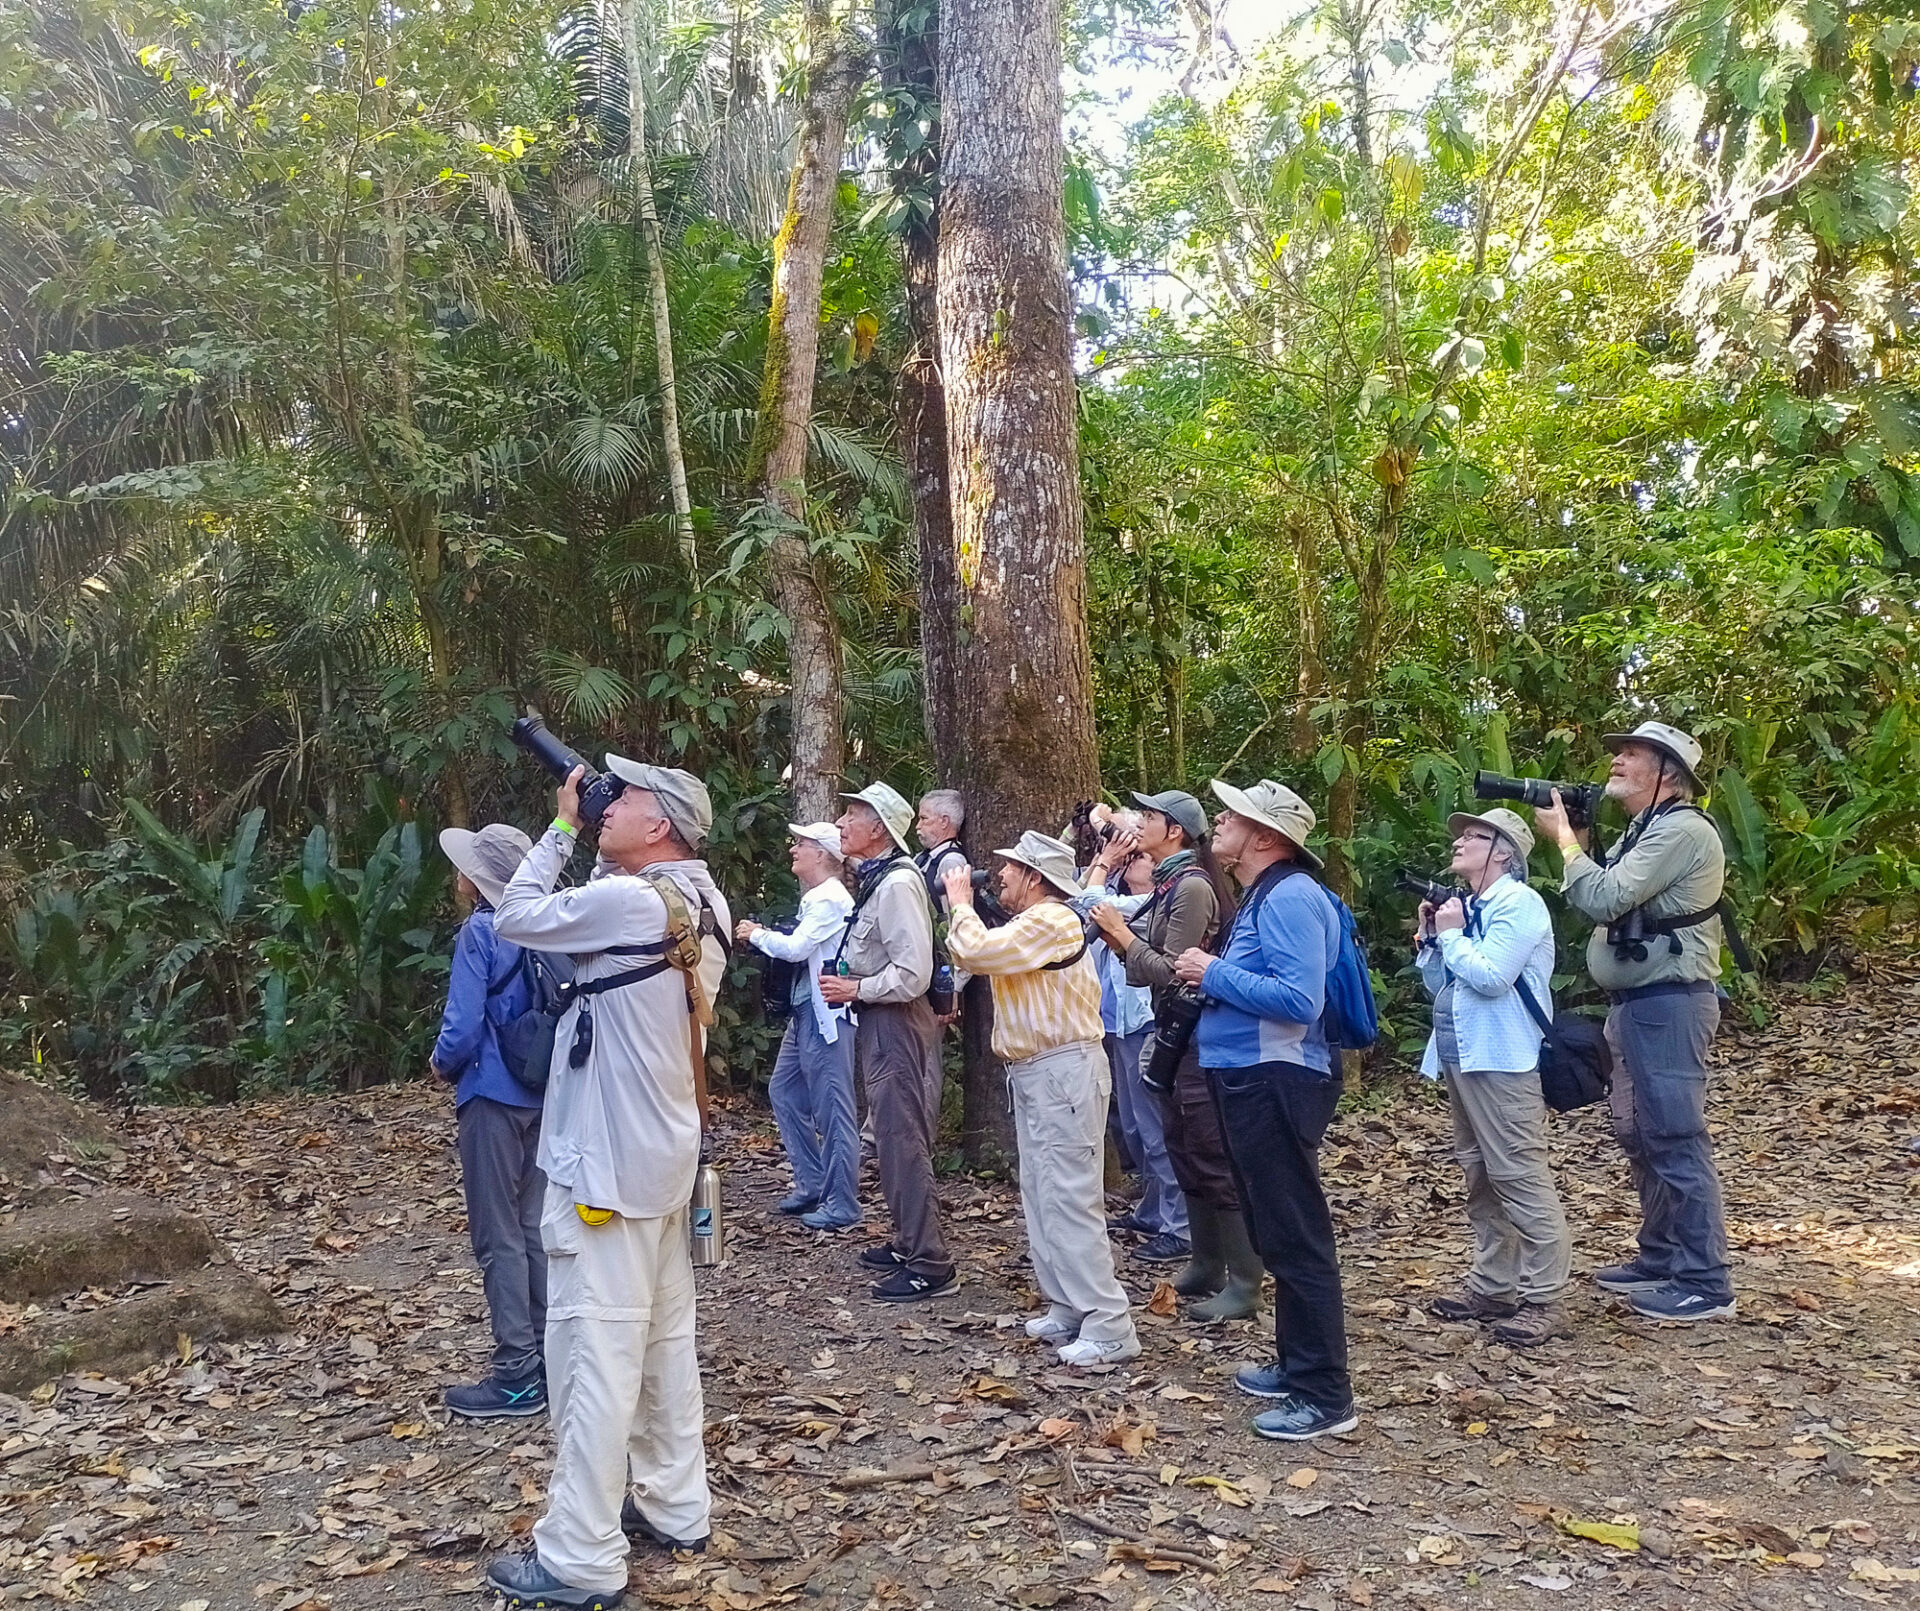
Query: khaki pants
point(897, 1048)
point(625, 1389)
point(1521, 1249)
point(1060, 1119)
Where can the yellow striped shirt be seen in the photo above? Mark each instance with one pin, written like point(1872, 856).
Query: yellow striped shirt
point(1034, 1009)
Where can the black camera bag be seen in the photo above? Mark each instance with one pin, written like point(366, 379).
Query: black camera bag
point(1576, 1063)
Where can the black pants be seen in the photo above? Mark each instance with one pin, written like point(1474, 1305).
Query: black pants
point(1190, 1120)
point(1274, 1116)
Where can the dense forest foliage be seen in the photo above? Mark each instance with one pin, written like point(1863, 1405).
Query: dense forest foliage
point(1455, 384)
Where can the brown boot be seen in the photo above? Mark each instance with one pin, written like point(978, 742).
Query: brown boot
point(1471, 1305)
point(1533, 1325)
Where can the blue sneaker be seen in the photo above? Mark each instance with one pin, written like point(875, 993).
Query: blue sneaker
point(522, 1581)
point(798, 1202)
point(497, 1400)
point(1262, 1381)
point(1294, 1420)
point(821, 1220)
point(1672, 1302)
point(1632, 1276)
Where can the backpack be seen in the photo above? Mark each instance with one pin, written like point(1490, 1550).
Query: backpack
point(1351, 1020)
point(521, 1037)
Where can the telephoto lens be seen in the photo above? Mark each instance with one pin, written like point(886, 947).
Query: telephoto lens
point(598, 790)
point(1430, 890)
point(1582, 800)
point(1173, 1027)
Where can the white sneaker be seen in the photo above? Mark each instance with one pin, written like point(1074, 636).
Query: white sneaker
point(1112, 1351)
point(1045, 1328)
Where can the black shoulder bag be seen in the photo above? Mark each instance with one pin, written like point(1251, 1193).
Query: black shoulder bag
point(1576, 1063)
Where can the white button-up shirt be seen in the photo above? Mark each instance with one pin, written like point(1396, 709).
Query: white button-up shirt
point(622, 1131)
point(824, 911)
point(1508, 934)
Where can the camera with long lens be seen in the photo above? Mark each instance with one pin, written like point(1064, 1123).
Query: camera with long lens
point(1173, 1026)
point(598, 790)
point(1582, 800)
point(1426, 889)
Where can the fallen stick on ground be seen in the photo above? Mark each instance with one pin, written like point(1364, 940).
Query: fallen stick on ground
point(1157, 1549)
point(913, 1471)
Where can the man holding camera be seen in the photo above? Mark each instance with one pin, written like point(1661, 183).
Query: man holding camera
point(1657, 894)
point(1265, 1049)
point(1046, 1030)
point(885, 965)
point(619, 1145)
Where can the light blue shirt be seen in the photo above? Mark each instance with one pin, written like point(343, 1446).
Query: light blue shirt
point(1508, 934)
point(1124, 1009)
point(824, 911)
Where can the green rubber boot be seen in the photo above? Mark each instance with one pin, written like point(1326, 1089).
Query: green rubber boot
point(1240, 1297)
point(1208, 1267)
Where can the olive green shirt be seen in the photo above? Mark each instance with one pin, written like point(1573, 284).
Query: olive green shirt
point(1675, 868)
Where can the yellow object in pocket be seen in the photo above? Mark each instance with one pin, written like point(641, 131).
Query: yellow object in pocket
point(593, 1216)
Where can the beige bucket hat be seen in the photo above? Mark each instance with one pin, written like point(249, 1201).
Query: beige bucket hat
point(890, 806)
point(1051, 858)
point(683, 798)
point(1509, 825)
point(1669, 740)
point(489, 857)
point(1274, 805)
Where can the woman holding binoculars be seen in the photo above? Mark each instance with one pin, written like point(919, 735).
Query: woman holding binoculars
point(1190, 906)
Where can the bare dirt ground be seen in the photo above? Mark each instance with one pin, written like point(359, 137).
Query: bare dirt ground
point(864, 1456)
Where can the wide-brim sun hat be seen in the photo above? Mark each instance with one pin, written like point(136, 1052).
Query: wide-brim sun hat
point(1677, 745)
point(683, 798)
point(489, 857)
point(1505, 824)
point(824, 834)
point(1274, 805)
point(1051, 858)
point(890, 806)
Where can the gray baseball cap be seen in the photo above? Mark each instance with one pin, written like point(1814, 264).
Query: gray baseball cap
point(1177, 806)
point(683, 798)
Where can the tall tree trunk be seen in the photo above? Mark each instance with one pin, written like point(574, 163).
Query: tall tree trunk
point(836, 68)
point(1024, 678)
point(630, 39)
point(909, 68)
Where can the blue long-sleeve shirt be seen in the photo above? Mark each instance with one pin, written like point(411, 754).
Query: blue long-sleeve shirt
point(485, 990)
point(1267, 989)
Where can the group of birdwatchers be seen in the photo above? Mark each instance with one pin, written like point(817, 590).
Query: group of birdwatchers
point(577, 1195)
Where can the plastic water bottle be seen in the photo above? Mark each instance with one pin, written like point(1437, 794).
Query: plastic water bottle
point(706, 1224)
point(940, 992)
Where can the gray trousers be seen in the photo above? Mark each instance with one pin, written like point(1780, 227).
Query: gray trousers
point(1162, 1207)
point(505, 1189)
point(1659, 1105)
point(897, 1049)
point(1521, 1249)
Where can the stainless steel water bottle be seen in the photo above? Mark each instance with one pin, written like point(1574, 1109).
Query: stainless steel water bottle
point(706, 1224)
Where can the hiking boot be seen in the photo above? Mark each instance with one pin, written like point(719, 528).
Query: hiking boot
point(798, 1202)
point(1294, 1420)
point(496, 1400)
point(1262, 1381)
point(1050, 1328)
point(1471, 1305)
point(641, 1531)
point(1111, 1351)
point(903, 1286)
point(1530, 1325)
point(1630, 1277)
point(1206, 1270)
point(1671, 1302)
point(1163, 1248)
point(522, 1581)
point(881, 1256)
point(1240, 1296)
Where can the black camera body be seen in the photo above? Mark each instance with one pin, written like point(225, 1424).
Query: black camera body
point(598, 790)
point(987, 904)
point(1427, 889)
point(1173, 1027)
point(1582, 800)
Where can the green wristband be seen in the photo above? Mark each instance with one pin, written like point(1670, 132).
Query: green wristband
point(564, 826)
